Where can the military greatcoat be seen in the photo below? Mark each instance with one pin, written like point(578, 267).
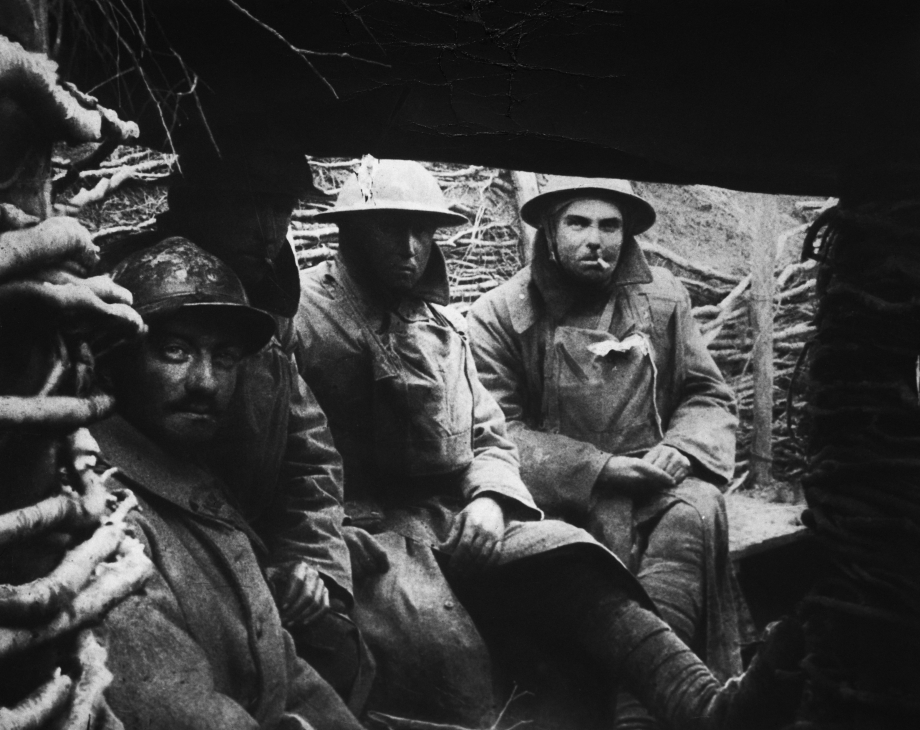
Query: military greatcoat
point(203, 646)
point(580, 378)
point(420, 438)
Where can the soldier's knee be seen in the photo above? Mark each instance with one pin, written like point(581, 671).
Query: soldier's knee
point(705, 497)
point(678, 536)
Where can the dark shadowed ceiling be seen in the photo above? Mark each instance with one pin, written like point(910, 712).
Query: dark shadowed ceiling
point(799, 97)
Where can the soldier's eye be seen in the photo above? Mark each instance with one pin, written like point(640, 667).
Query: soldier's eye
point(174, 351)
point(228, 358)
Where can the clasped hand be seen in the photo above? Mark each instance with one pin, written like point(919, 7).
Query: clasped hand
point(476, 535)
point(301, 594)
point(662, 467)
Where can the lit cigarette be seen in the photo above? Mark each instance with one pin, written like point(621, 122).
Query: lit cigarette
point(603, 264)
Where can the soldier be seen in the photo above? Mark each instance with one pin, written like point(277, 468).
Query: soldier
point(624, 423)
point(425, 449)
point(204, 646)
point(275, 453)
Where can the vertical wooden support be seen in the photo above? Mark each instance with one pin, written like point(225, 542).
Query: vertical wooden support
point(525, 187)
point(762, 266)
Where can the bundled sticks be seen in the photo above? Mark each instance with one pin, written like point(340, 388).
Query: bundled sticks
point(726, 329)
point(68, 557)
point(487, 251)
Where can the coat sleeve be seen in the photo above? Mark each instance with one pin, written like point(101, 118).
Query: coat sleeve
point(704, 421)
point(559, 471)
point(310, 512)
point(495, 470)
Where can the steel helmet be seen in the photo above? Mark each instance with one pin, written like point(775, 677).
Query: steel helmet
point(176, 274)
point(392, 185)
point(559, 188)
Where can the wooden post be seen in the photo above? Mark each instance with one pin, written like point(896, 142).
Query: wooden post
point(525, 187)
point(762, 267)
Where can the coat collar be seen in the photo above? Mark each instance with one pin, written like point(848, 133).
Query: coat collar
point(151, 470)
point(433, 286)
point(523, 300)
point(146, 464)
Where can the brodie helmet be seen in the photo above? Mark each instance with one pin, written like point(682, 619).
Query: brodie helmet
point(559, 188)
point(393, 185)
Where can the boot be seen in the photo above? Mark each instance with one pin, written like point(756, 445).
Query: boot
point(609, 619)
point(679, 689)
point(769, 693)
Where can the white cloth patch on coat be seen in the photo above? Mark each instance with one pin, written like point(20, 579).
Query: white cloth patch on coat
point(640, 342)
point(636, 341)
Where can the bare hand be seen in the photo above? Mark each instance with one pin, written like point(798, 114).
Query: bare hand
point(633, 476)
point(102, 286)
point(97, 295)
point(302, 595)
point(61, 242)
point(669, 459)
point(70, 238)
point(476, 536)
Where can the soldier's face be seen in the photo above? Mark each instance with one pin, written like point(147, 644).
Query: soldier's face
point(589, 236)
point(178, 384)
point(397, 247)
point(246, 232)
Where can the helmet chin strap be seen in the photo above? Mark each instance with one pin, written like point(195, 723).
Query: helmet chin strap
point(550, 221)
point(549, 230)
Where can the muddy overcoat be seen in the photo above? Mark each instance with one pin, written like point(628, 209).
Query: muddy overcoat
point(420, 437)
point(202, 646)
point(428, 434)
point(568, 417)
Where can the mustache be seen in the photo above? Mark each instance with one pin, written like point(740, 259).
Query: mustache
point(199, 404)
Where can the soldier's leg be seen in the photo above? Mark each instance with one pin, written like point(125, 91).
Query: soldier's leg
point(566, 596)
point(672, 571)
